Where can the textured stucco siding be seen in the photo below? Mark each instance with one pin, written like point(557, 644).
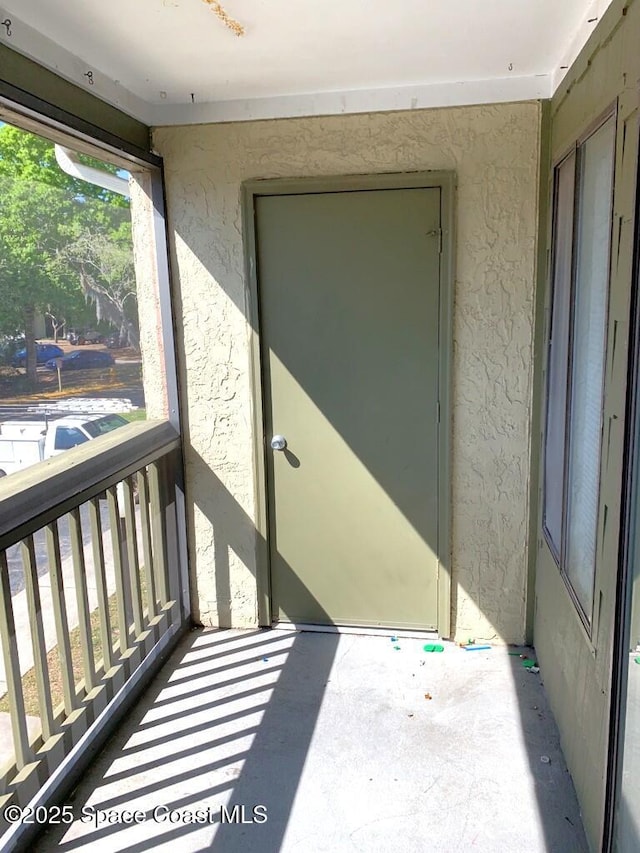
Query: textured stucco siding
point(494, 152)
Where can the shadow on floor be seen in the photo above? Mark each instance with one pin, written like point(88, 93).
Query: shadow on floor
point(334, 740)
point(228, 708)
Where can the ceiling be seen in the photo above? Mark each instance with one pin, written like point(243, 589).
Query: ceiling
point(174, 61)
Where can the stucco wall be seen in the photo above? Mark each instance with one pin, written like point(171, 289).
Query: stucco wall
point(494, 153)
point(577, 664)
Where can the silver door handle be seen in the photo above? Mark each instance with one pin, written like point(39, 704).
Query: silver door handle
point(278, 442)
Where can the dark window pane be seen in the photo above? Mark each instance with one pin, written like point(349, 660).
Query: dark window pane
point(103, 425)
point(68, 437)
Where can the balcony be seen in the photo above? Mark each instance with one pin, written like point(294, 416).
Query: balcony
point(335, 741)
point(270, 740)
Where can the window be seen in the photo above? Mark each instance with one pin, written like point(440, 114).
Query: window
point(70, 281)
point(104, 425)
point(576, 362)
point(559, 353)
point(68, 437)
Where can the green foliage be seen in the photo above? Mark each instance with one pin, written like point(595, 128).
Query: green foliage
point(105, 265)
point(31, 158)
point(44, 211)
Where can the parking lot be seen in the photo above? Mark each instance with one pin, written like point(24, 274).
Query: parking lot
point(121, 379)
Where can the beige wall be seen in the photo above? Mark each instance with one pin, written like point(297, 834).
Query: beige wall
point(494, 153)
point(576, 665)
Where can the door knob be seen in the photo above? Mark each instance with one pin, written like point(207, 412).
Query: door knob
point(278, 442)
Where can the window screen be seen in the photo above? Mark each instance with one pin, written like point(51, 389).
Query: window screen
point(593, 242)
point(576, 359)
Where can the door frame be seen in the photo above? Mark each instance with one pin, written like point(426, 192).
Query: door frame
point(446, 183)
point(629, 539)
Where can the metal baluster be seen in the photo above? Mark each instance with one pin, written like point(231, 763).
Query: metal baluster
point(21, 746)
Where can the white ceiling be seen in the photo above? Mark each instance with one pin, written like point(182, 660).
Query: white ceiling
point(170, 61)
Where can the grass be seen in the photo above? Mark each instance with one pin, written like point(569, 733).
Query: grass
point(137, 415)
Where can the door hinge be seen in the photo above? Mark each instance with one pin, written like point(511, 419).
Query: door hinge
point(438, 410)
point(436, 232)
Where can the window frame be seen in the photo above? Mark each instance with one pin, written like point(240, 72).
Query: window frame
point(560, 554)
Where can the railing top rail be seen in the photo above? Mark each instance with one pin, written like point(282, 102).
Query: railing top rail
point(31, 498)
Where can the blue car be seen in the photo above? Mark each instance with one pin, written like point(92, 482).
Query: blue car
point(82, 360)
point(44, 352)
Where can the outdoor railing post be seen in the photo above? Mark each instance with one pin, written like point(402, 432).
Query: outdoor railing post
point(80, 578)
point(40, 663)
point(147, 552)
point(101, 583)
point(132, 555)
point(58, 599)
point(9, 640)
point(170, 464)
point(157, 493)
point(119, 552)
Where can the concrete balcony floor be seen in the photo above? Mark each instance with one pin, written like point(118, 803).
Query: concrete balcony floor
point(336, 738)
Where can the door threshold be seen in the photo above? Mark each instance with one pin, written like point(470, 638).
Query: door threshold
point(409, 633)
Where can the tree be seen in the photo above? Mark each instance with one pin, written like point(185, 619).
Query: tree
point(107, 274)
point(43, 211)
point(58, 324)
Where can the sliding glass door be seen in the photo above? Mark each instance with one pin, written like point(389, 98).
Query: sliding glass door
point(622, 833)
point(627, 801)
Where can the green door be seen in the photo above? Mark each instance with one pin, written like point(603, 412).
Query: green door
point(349, 305)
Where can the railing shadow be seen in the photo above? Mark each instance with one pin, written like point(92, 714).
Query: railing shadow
point(291, 714)
point(245, 704)
point(230, 723)
point(249, 723)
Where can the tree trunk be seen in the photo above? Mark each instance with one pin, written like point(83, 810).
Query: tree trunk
point(57, 330)
point(133, 338)
point(56, 327)
point(30, 340)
